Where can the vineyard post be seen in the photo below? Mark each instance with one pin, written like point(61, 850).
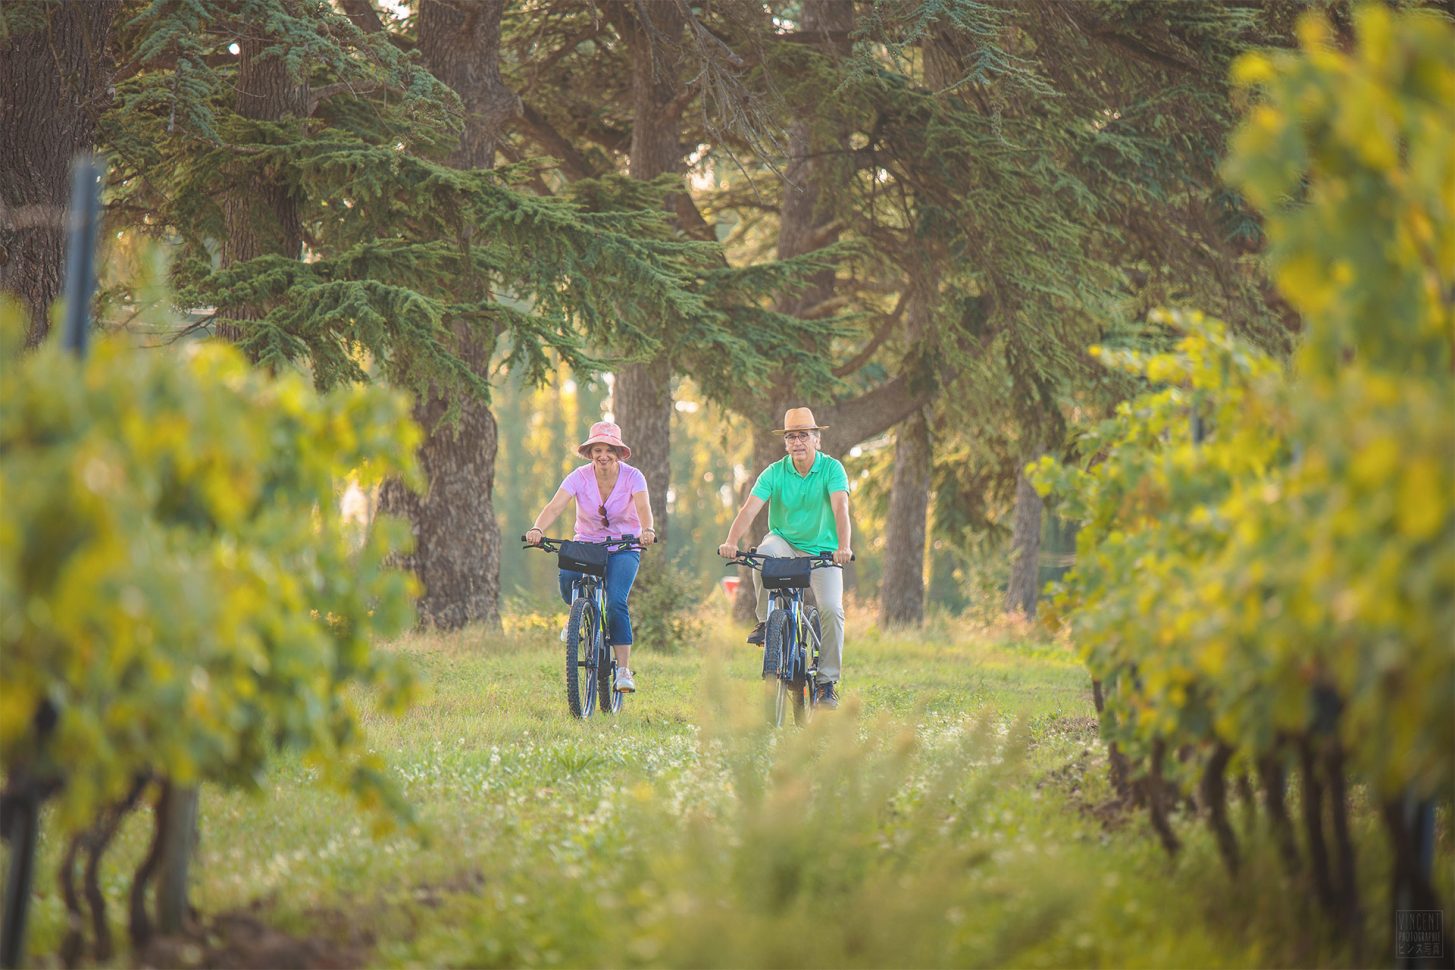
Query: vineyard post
point(178, 835)
point(1412, 891)
point(21, 815)
point(86, 175)
point(21, 811)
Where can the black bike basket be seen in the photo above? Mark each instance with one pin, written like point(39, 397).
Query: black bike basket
point(583, 557)
point(787, 573)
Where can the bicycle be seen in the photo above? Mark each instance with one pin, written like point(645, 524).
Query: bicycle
point(793, 634)
point(588, 640)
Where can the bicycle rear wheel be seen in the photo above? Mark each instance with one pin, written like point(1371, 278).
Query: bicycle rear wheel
point(581, 659)
point(802, 703)
point(777, 647)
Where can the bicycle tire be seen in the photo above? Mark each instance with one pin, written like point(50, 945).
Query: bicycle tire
point(802, 703)
point(611, 699)
point(580, 636)
point(776, 645)
point(770, 653)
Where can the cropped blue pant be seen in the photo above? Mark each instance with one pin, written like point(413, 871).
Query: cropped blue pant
point(621, 572)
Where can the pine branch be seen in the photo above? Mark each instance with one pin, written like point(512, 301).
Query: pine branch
point(544, 134)
point(364, 15)
point(886, 327)
point(858, 419)
point(316, 96)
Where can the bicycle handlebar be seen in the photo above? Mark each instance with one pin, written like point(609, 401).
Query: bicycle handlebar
point(548, 544)
point(753, 559)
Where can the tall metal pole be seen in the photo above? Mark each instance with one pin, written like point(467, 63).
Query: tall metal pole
point(85, 219)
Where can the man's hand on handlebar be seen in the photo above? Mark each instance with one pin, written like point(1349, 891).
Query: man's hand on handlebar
point(842, 557)
point(728, 550)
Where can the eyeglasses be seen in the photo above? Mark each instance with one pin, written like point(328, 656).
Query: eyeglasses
point(605, 521)
point(797, 436)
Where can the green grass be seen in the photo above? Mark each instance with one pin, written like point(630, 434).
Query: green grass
point(946, 815)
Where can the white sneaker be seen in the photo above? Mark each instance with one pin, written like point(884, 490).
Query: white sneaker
point(624, 683)
point(565, 629)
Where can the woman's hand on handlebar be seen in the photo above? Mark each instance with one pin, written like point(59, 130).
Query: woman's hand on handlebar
point(537, 540)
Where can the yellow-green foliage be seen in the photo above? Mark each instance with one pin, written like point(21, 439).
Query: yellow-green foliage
point(1292, 574)
point(178, 595)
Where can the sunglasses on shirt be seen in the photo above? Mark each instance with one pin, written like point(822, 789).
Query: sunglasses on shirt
point(605, 520)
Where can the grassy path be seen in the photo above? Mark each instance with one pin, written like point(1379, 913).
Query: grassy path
point(944, 816)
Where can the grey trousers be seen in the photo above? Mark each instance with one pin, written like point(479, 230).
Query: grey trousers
point(828, 589)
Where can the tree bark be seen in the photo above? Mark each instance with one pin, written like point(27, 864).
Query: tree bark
point(641, 401)
point(261, 214)
point(642, 394)
point(54, 80)
point(457, 540)
point(1025, 571)
point(902, 596)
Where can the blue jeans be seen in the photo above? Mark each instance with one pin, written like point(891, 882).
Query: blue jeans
point(621, 572)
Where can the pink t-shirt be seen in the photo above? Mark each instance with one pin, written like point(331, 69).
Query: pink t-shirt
point(620, 509)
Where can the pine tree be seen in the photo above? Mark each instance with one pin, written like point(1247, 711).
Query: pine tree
point(632, 91)
point(419, 261)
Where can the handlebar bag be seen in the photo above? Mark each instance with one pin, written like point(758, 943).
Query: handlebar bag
point(787, 572)
point(583, 557)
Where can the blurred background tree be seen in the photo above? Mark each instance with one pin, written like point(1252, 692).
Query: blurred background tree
point(910, 215)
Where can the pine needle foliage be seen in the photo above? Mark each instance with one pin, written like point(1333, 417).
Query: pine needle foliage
point(399, 245)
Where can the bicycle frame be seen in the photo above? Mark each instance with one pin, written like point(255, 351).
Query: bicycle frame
point(804, 642)
point(591, 588)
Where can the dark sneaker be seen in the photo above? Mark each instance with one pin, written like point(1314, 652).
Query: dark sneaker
point(825, 697)
point(758, 633)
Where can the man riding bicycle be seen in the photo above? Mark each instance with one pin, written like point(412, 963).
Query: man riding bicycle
point(807, 493)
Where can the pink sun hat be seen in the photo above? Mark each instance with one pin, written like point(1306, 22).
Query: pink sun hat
point(603, 433)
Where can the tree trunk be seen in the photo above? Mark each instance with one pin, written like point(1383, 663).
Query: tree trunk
point(767, 448)
point(1025, 571)
point(54, 82)
point(902, 596)
point(804, 225)
point(457, 540)
point(642, 394)
point(261, 214)
point(642, 404)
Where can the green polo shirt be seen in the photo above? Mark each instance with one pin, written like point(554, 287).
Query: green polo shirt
point(798, 505)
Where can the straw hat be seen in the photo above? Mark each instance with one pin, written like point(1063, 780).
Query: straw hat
point(603, 433)
point(798, 419)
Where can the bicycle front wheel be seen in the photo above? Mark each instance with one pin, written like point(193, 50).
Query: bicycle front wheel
point(777, 658)
point(611, 698)
point(581, 636)
point(805, 676)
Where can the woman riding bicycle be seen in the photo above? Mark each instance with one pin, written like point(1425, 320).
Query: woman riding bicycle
point(611, 501)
